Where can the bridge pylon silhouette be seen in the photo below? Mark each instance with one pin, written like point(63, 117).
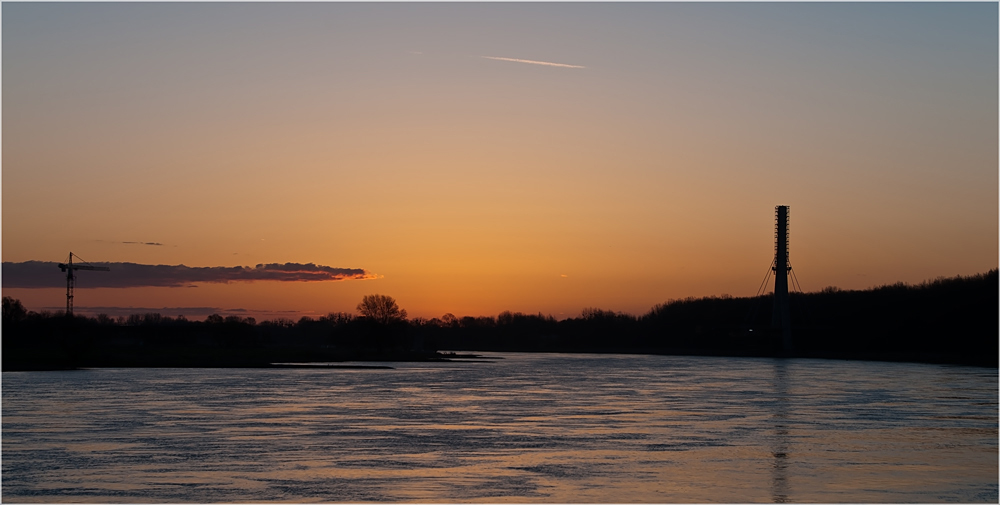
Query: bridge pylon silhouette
point(781, 320)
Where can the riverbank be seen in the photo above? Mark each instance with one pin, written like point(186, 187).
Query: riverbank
point(943, 321)
point(222, 358)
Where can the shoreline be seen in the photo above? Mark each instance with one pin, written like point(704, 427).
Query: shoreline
point(357, 364)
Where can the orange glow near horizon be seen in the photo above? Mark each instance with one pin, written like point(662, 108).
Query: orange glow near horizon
point(376, 137)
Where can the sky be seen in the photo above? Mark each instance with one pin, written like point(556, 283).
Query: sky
point(471, 158)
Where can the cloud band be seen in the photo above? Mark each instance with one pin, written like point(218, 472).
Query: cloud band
point(46, 274)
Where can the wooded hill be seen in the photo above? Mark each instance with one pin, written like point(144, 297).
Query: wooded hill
point(952, 320)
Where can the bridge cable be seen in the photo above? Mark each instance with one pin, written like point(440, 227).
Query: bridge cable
point(752, 314)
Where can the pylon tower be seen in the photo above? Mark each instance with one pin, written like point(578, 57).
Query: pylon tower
point(781, 323)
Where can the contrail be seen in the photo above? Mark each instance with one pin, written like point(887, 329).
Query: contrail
point(515, 60)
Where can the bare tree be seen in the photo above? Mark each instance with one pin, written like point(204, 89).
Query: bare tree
point(381, 309)
point(13, 311)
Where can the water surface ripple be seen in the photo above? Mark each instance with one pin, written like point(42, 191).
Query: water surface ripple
point(527, 428)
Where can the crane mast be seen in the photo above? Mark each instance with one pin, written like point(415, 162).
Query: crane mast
point(70, 270)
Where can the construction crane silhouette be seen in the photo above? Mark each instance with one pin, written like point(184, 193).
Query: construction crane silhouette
point(70, 268)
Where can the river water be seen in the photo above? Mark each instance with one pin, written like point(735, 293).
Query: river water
point(526, 428)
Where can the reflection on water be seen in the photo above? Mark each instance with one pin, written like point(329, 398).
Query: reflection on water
point(779, 485)
point(528, 428)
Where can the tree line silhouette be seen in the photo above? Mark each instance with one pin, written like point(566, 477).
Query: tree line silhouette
point(953, 320)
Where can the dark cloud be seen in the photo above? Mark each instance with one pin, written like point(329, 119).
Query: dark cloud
point(166, 311)
point(132, 242)
point(191, 313)
point(46, 274)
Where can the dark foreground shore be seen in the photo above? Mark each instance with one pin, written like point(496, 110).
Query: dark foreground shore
point(327, 359)
point(213, 358)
